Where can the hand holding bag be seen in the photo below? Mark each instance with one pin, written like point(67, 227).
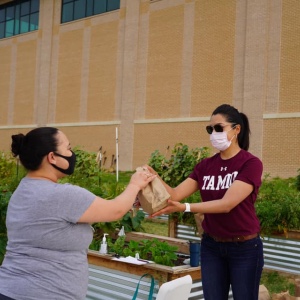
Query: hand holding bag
point(154, 196)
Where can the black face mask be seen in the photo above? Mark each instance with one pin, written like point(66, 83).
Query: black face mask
point(71, 160)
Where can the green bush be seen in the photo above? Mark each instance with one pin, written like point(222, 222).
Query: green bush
point(179, 166)
point(298, 180)
point(176, 169)
point(11, 172)
point(158, 251)
point(278, 205)
point(4, 198)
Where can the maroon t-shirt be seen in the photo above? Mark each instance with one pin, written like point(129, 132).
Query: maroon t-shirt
point(214, 176)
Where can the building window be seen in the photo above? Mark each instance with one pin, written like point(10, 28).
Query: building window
point(18, 17)
point(78, 9)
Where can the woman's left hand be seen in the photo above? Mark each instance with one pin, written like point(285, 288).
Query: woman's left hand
point(173, 206)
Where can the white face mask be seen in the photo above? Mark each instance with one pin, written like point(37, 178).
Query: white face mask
point(220, 141)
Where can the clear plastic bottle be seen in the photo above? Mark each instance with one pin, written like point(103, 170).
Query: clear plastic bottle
point(103, 247)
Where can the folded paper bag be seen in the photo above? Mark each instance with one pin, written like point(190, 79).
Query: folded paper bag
point(154, 196)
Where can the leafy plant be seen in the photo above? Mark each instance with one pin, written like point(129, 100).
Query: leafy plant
point(181, 163)
point(4, 198)
point(176, 169)
point(116, 247)
point(133, 222)
point(163, 253)
point(278, 205)
point(158, 251)
point(298, 180)
point(11, 172)
point(132, 249)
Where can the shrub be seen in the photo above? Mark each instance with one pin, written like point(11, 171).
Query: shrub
point(176, 169)
point(158, 251)
point(4, 198)
point(179, 166)
point(298, 180)
point(11, 172)
point(278, 205)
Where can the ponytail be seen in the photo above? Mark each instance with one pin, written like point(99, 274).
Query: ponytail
point(244, 135)
point(232, 115)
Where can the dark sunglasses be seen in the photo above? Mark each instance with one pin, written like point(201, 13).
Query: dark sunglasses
point(217, 128)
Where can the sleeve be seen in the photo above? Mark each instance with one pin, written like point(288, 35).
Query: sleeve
point(73, 201)
point(251, 172)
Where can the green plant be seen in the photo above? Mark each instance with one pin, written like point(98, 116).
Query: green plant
point(298, 180)
point(176, 169)
point(4, 198)
point(158, 251)
point(278, 205)
point(133, 222)
point(11, 172)
point(163, 253)
point(117, 246)
point(181, 163)
point(132, 248)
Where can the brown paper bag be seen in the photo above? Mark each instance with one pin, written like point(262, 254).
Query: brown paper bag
point(154, 196)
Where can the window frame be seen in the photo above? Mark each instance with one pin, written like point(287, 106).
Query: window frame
point(69, 16)
point(15, 22)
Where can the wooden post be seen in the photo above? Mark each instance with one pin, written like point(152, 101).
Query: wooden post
point(199, 219)
point(297, 287)
point(172, 227)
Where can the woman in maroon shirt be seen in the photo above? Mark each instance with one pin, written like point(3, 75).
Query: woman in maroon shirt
point(231, 248)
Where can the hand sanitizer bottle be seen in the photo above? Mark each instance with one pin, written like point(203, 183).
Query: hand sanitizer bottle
point(103, 248)
point(122, 231)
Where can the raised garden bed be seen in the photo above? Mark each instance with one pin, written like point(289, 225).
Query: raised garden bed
point(160, 272)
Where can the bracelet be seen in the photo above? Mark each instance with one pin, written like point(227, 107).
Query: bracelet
point(187, 207)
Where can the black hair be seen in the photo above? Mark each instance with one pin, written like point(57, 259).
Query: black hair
point(232, 115)
point(32, 147)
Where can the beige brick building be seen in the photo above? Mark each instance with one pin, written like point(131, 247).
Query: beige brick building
point(156, 69)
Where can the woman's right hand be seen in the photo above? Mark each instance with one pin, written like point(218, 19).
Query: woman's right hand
point(142, 178)
point(150, 169)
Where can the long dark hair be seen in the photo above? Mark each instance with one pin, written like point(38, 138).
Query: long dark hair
point(232, 115)
point(32, 147)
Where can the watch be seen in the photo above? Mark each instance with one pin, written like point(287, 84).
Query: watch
point(187, 207)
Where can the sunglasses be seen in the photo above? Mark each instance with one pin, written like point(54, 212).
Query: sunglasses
point(217, 128)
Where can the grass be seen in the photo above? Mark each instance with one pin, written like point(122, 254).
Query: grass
point(277, 282)
point(123, 177)
point(157, 228)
